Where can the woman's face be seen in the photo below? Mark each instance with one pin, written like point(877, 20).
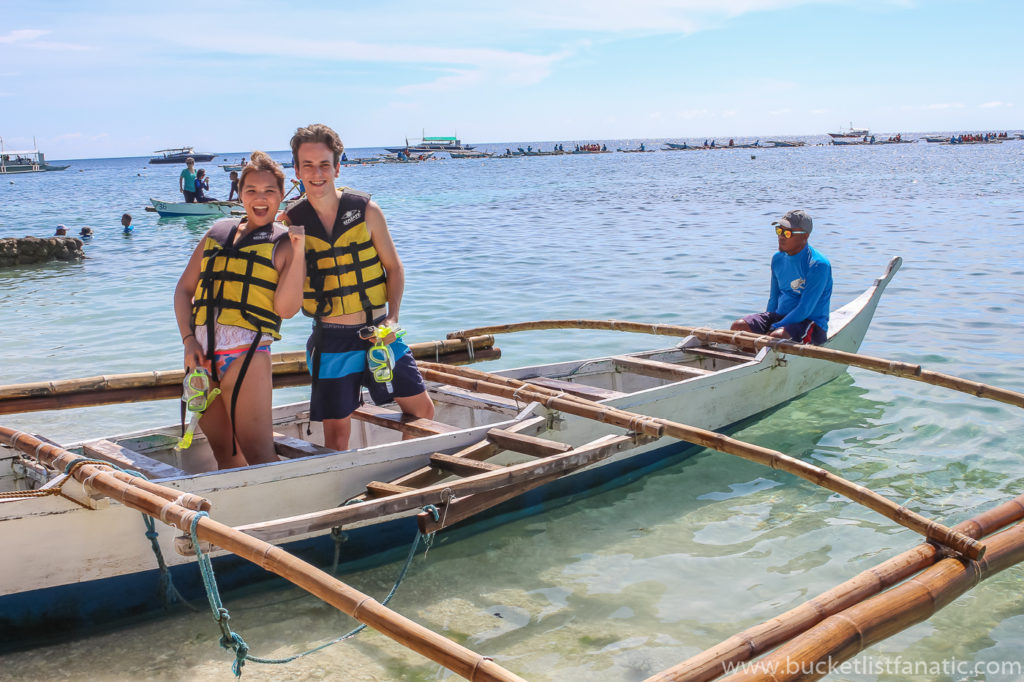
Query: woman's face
point(261, 197)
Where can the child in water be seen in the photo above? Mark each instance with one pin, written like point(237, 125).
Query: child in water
point(229, 335)
point(126, 223)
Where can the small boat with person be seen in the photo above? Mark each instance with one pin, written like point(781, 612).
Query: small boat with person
point(180, 155)
point(168, 209)
point(28, 161)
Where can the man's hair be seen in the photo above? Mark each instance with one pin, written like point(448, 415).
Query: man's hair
point(258, 161)
point(317, 132)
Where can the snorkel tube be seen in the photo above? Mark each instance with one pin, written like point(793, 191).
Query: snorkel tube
point(197, 396)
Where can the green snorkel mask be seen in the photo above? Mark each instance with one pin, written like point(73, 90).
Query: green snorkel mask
point(197, 396)
point(380, 358)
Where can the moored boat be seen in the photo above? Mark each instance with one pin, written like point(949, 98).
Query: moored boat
point(427, 145)
point(180, 208)
point(30, 161)
point(89, 559)
point(469, 154)
point(180, 155)
point(850, 132)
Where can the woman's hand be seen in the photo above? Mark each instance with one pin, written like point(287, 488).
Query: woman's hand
point(194, 356)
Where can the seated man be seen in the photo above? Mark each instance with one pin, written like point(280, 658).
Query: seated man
point(801, 287)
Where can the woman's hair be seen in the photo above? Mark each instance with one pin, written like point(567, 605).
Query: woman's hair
point(259, 161)
point(317, 132)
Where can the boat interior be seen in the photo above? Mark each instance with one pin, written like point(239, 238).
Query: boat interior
point(517, 434)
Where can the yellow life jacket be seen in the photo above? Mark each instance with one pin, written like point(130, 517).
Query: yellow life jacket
point(343, 272)
point(239, 279)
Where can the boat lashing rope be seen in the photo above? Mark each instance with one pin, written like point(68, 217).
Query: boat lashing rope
point(233, 641)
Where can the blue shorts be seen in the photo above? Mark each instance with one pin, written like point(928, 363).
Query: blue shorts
point(801, 332)
point(343, 372)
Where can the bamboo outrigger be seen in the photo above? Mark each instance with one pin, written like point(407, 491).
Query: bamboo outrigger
point(555, 429)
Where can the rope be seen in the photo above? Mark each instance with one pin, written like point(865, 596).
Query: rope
point(233, 641)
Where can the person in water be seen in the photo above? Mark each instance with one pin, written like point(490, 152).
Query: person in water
point(85, 233)
point(126, 223)
point(801, 287)
point(243, 278)
point(233, 193)
point(187, 181)
point(61, 231)
point(354, 280)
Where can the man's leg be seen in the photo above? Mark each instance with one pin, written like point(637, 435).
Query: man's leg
point(337, 433)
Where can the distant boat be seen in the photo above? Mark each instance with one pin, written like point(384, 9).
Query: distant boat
point(787, 143)
point(238, 167)
point(469, 154)
point(851, 132)
point(180, 155)
point(31, 161)
point(180, 208)
point(431, 144)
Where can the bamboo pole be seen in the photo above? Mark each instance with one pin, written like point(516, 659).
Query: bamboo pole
point(289, 369)
point(363, 608)
point(756, 640)
point(485, 382)
point(750, 341)
point(842, 636)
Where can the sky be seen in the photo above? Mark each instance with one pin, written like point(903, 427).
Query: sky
point(111, 78)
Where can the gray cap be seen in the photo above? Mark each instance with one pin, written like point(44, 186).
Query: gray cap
point(796, 220)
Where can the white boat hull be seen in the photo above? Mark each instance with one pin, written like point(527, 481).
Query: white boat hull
point(214, 208)
point(101, 560)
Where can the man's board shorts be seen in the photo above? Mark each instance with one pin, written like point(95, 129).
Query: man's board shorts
point(801, 332)
point(343, 371)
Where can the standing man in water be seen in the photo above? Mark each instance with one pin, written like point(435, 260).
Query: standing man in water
point(354, 280)
point(801, 287)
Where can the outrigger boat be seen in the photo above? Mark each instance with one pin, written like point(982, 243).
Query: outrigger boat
point(180, 155)
point(30, 161)
point(168, 209)
point(499, 443)
point(84, 548)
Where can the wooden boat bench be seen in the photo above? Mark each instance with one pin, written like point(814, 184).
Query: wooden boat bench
point(291, 447)
point(399, 421)
point(657, 369)
point(118, 455)
point(572, 388)
point(715, 354)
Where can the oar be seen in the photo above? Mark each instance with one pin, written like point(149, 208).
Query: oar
point(363, 608)
point(494, 384)
point(289, 369)
point(749, 341)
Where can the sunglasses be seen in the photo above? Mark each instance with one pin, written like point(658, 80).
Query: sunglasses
point(788, 233)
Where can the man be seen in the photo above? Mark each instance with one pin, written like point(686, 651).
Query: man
point(354, 280)
point(801, 287)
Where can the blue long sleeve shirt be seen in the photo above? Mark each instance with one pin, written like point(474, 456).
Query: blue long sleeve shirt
point(801, 288)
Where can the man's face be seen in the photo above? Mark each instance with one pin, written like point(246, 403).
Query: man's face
point(316, 168)
point(792, 244)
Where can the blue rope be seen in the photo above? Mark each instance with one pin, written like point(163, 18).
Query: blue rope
point(234, 641)
point(166, 587)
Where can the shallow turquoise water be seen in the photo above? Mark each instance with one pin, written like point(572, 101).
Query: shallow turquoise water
point(622, 584)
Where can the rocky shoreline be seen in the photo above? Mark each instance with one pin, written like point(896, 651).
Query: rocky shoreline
point(27, 250)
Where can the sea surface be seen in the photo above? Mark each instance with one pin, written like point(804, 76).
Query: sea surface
point(619, 585)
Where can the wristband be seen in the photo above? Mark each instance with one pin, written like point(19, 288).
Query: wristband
point(186, 336)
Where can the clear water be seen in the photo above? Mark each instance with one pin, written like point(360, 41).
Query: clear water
point(623, 584)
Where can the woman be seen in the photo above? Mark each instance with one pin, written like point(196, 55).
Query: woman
point(187, 181)
point(244, 277)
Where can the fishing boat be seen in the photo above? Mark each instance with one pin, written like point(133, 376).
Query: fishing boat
point(180, 155)
point(491, 448)
point(850, 132)
point(787, 143)
point(30, 161)
point(469, 154)
point(431, 144)
point(180, 208)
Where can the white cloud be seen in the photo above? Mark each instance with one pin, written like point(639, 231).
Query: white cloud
point(692, 113)
point(994, 105)
point(21, 35)
point(818, 112)
point(729, 113)
point(943, 105)
point(780, 112)
point(28, 37)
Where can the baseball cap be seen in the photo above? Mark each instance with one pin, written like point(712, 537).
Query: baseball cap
point(796, 220)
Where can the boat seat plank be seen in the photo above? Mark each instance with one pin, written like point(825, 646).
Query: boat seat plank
point(527, 445)
point(478, 451)
point(121, 456)
point(714, 353)
point(461, 466)
point(572, 388)
point(381, 489)
point(657, 369)
point(472, 399)
point(291, 448)
point(399, 421)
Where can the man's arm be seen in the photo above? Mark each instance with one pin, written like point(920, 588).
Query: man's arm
point(388, 255)
point(773, 294)
point(814, 287)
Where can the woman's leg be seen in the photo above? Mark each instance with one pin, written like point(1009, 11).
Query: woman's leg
point(253, 429)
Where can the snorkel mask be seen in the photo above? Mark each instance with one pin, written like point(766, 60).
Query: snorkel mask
point(197, 396)
point(380, 358)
